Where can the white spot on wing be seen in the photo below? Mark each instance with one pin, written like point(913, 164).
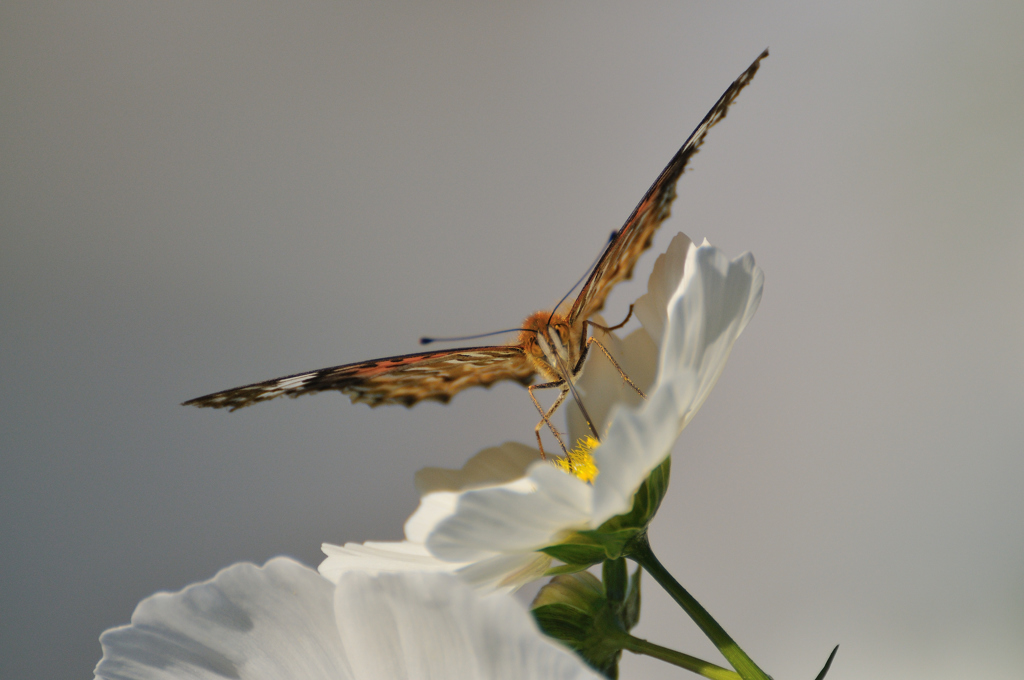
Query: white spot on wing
point(292, 382)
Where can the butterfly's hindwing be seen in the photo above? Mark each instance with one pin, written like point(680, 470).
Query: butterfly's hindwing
point(393, 380)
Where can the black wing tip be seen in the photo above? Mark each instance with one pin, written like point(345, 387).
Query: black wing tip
point(742, 81)
point(207, 401)
point(737, 85)
point(756, 64)
point(717, 114)
point(232, 400)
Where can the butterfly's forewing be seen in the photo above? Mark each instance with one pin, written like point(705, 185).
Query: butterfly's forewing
point(394, 380)
point(619, 258)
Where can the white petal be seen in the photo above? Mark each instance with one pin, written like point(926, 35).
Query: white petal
point(252, 623)
point(439, 487)
point(505, 571)
point(489, 528)
point(707, 301)
point(432, 510)
point(488, 569)
point(715, 300)
point(428, 626)
point(375, 557)
point(601, 386)
point(513, 517)
point(496, 465)
point(636, 443)
point(719, 302)
point(652, 308)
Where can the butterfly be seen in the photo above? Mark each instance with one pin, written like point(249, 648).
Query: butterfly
point(550, 344)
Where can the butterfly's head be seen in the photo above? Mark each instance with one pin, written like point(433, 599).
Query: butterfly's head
point(549, 342)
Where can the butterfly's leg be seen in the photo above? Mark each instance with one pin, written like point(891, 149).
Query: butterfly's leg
point(545, 415)
point(547, 419)
point(608, 329)
point(616, 365)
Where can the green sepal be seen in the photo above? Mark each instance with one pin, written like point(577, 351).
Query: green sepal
point(612, 539)
point(612, 543)
point(583, 592)
point(576, 610)
point(564, 623)
point(578, 553)
point(573, 609)
point(646, 501)
point(565, 569)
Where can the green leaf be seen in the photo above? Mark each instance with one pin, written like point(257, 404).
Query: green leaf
point(828, 664)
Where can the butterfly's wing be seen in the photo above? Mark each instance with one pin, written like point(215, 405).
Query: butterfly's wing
point(393, 380)
point(616, 264)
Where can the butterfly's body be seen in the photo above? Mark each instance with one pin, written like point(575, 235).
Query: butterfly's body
point(550, 344)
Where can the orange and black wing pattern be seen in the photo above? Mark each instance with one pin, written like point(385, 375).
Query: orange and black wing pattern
point(403, 380)
point(619, 258)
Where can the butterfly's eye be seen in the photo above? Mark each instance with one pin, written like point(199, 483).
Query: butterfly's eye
point(530, 344)
point(563, 331)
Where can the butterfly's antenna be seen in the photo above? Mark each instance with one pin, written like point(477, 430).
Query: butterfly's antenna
point(427, 341)
point(585, 275)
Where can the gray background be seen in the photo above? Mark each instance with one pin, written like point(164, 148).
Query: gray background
point(196, 195)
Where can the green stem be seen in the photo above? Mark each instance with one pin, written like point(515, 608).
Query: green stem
point(640, 552)
point(690, 663)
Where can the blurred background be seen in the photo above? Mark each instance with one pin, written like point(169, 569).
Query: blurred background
point(198, 195)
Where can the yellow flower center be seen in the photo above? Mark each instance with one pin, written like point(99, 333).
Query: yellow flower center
point(579, 462)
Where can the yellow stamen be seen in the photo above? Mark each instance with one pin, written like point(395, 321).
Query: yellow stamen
point(579, 462)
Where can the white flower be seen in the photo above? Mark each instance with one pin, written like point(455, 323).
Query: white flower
point(283, 621)
point(487, 521)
